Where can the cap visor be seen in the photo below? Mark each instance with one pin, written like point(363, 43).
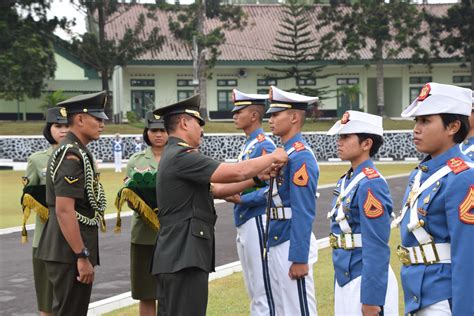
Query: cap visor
point(335, 129)
point(100, 115)
point(238, 108)
point(156, 125)
point(275, 110)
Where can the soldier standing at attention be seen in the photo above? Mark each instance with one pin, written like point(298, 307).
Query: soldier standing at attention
point(144, 233)
point(360, 222)
point(185, 247)
point(437, 221)
point(292, 249)
point(34, 198)
point(76, 202)
point(249, 209)
point(467, 146)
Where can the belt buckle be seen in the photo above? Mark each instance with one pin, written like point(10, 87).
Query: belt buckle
point(274, 213)
point(403, 255)
point(435, 252)
point(283, 213)
point(343, 241)
point(333, 241)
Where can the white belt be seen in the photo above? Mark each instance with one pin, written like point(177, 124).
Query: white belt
point(345, 241)
point(427, 254)
point(280, 213)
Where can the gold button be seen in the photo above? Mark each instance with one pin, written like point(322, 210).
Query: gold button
point(201, 233)
point(241, 216)
point(276, 237)
point(415, 298)
point(346, 273)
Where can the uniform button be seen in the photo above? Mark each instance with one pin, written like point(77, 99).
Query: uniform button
point(415, 298)
point(201, 233)
point(241, 216)
point(276, 237)
point(346, 274)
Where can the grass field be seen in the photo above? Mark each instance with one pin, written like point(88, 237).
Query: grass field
point(227, 296)
point(11, 188)
point(36, 128)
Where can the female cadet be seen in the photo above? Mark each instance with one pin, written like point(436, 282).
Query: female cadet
point(55, 130)
point(437, 219)
point(144, 284)
point(360, 223)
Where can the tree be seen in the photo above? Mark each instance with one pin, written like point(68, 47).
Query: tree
point(188, 25)
point(386, 29)
point(454, 33)
point(102, 52)
point(52, 99)
point(295, 46)
point(26, 50)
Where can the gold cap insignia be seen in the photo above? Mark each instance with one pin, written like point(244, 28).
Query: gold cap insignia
point(63, 112)
point(345, 118)
point(425, 92)
point(192, 112)
point(157, 117)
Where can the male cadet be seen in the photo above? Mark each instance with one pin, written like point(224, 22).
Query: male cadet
point(76, 203)
point(249, 210)
point(184, 251)
point(360, 222)
point(437, 221)
point(292, 246)
point(467, 146)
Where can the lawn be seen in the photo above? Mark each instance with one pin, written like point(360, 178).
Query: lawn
point(36, 128)
point(227, 296)
point(11, 187)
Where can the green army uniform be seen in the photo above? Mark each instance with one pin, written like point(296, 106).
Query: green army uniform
point(143, 237)
point(36, 175)
point(78, 179)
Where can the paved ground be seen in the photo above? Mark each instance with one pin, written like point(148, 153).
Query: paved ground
point(17, 295)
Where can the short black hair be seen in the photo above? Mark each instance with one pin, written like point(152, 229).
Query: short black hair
point(377, 142)
point(449, 118)
point(70, 118)
point(171, 122)
point(145, 136)
point(47, 134)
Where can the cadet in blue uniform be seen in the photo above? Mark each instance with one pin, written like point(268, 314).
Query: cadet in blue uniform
point(467, 146)
point(291, 245)
point(437, 220)
point(117, 148)
point(360, 222)
point(249, 210)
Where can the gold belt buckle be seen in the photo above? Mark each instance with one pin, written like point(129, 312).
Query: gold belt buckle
point(435, 252)
point(343, 242)
point(403, 255)
point(333, 241)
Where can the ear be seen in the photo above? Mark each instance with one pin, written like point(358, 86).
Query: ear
point(80, 119)
point(183, 123)
point(367, 144)
point(453, 127)
point(294, 117)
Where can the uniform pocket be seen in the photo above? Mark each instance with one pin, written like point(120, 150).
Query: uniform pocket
point(200, 229)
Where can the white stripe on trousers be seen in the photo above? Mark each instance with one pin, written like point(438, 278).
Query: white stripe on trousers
point(118, 160)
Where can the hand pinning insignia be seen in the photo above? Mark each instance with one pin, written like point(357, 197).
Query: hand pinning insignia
point(466, 206)
point(373, 208)
point(71, 179)
point(301, 177)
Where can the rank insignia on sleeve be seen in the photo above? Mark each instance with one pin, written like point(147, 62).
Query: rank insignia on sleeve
point(457, 165)
point(71, 179)
point(466, 206)
point(25, 180)
point(370, 173)
point(260, 138)
point(301, 177)
point(298, 146)
point(373, 208)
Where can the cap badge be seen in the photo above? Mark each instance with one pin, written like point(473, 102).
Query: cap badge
point(157, 117)
point(84, 110)
point(63, 112)
point(425, 92)
point(270, 93)
point(192, 112)
point(345, 118)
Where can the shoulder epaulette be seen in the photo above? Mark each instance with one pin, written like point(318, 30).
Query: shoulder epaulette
point(457, 165)
point(299, 146)
point(260, 138)
point(370, 173)
point(183, 144)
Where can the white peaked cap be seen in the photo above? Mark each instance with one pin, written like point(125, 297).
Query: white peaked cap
point(436, 98)
point(281, 100)
point(355, 122)
point(242, 100)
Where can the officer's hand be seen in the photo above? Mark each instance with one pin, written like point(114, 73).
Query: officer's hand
point(86, 271)
point(370, 310)
point(298, 270)
point(233, 199)
point(280, 156)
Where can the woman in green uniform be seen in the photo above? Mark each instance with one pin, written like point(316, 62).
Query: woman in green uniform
point(144, 285)
point(55, 130)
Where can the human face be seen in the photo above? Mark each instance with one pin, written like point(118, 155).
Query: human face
point(195, 131)
point(280, 123)
point(59, 131)
point(242, 118)
point(430, 136)
point(158, 137)
point(92, 126)
point(351, 149)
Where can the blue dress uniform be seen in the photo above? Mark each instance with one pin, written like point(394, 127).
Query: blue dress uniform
point(467, 147)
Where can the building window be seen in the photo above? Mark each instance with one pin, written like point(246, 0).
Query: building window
point(307, 82)
point(262, 91)
point(184, 94)
point(142, 82)
point(462, 79)
point(347, 81)
point(266, 82)
point(224, 100)
point(143, 101)
point(227, 82)
point(420, 80)
point(184, 83)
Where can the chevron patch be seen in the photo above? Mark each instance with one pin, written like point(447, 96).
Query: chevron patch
point(70, 179)
point(465, 214)
point(373, 208)
point(301, 177)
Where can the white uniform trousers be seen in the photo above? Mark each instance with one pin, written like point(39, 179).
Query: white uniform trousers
point(255, 270)
point(347, 298)
point(439, 309)
point(118, 161)
point(292, 297)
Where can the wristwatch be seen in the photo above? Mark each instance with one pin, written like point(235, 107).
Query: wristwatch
point(83, 254)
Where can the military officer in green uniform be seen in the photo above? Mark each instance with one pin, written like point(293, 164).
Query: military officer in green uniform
point(184, 251)
point(34, 199)
point(144, 231)
point(76, 202)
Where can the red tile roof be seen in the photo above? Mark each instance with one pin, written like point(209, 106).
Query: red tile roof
point(253, 43)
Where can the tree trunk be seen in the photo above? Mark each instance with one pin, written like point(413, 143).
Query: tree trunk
point(104, 73)
point(201, 59)
point(379, 75)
